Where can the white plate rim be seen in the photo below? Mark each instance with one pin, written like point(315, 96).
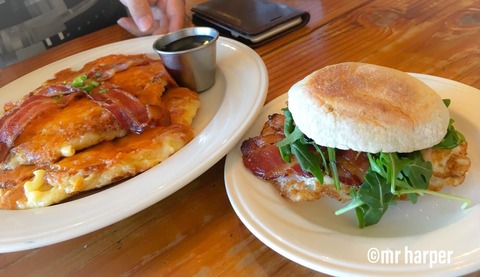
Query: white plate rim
point(245, 85)
point(261, 226)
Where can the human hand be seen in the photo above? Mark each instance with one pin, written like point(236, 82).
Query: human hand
point(153, 17)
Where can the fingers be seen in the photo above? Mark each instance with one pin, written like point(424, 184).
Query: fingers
point(175, 11)
point(161, 21)
point(141, 14)
point(153, 16)
point(171, 15)
point(130, 25)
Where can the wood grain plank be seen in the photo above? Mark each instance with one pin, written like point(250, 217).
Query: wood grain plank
point(399, 34)
point(321, 12)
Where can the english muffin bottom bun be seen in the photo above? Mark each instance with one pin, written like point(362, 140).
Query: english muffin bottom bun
point(368, 108)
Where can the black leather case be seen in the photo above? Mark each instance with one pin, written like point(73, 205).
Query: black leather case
point(248, 19)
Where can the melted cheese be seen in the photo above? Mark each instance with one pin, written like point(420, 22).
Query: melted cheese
point(36, 183)
point(67, 150)
point(37, 190)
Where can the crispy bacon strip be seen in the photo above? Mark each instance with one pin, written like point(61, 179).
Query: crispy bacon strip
point(14, 121)
point(127, 109)
point(57, 90)
point(262, 157)
point(351, 166)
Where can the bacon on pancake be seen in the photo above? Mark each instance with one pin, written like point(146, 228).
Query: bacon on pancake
point(14, 121)
point(127, 98)
point(125, 108)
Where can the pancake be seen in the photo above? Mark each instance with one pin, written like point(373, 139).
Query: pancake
point(83, 123)
point(83, 146)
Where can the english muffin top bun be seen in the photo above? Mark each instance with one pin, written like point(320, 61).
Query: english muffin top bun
point(368, 108)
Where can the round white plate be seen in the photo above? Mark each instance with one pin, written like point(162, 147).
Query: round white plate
point(227, 111)
point(433, 237)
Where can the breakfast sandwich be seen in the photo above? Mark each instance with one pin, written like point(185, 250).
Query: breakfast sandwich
point(363, 134)
point(114, 118)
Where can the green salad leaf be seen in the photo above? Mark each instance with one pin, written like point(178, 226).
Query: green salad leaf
point(309, 155)
point(373, 199)
point(390, 175)
point(453, 138)
point(308, 161)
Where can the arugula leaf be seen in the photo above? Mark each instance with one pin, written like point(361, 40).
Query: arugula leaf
point(307, 160)
point(291, 138)
point(333, 166)
point(390, 175)
point(288, 127)
point(417, 173)
point(322, 155)
point(375, 192)
point(466, 201)
point(394, 165)
point(452, 139)
point(371, 200)
point(295, 143)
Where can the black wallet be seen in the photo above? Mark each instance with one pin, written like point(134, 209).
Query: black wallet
point(253, 22)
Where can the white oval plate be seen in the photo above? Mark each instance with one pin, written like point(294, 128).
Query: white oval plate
point(227, 111)
point(310, 234)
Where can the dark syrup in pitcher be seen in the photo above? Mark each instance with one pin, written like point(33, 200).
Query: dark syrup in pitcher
point(187, 43)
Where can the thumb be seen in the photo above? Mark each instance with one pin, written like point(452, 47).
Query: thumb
point(141, 13)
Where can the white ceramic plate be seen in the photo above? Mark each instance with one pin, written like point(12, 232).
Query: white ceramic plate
point(227, 111)
point(310, 234)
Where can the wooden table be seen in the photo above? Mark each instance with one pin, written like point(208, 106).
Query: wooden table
point(195, 231)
